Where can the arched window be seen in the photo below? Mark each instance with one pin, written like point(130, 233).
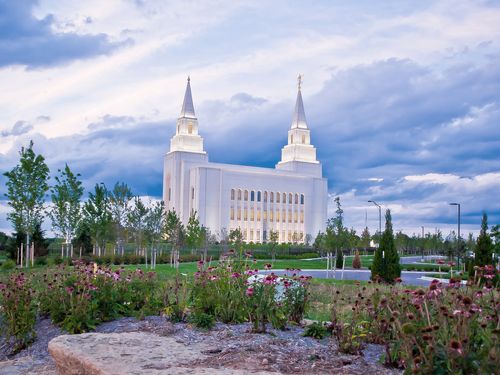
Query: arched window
point(289, 216)
point(246, 195)
point(232, 194)
point(239, 194)
point(284, 197)
point(290, 198)
point(252, 195)
point(265, 196)
point(301, 198)
point(303, 139)
point(278, 195)
point(232, 213)
point(258, 196)
point(291, 138)
point(296, 199)
point(272, 197)
point(190, 128)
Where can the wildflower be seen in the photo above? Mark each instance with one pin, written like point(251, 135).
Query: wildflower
point(268, 266)
point(249, 291)
point(235, 275)
point(69, 289)
point(231, 251)
point(398, 280)
point(456, 347)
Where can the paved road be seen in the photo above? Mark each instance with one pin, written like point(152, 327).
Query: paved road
point(409, 278)
point(418, 259)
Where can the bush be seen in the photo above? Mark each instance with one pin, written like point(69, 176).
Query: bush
point(315, 330)
point(18, 310)
point(41, 261)
point(356, 262)
point(9, 264)
point(202, 320)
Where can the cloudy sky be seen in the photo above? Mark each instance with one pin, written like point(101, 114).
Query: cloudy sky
point(402, 97)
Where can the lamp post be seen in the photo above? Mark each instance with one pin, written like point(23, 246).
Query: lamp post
point(423, 243)
point(379, 218)
point(458, 241)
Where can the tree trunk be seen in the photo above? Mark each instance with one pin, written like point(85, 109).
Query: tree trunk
point(27, 249)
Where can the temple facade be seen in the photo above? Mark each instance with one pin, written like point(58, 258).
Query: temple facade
point(290, 199)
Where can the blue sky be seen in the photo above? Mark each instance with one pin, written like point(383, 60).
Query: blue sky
point(402, 97)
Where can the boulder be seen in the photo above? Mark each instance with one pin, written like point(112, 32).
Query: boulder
point(131, 353)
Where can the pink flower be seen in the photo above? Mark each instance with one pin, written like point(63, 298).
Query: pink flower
point(249, 291)
point(235, 275)
point(268, 266)
point(69, 289)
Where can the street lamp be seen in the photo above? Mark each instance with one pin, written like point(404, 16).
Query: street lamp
point(379, 217)
point(423, 243)
point(458, 242)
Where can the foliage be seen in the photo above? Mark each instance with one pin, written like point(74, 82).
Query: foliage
point(339, 259)
point(315, 330)
point(18, 309)
point(202, 320)
point(386, 266)
point(136, 220)
point(356, 262)
point(194, 233)
point(9, 264)
point(174, 230)
point(66, 213)
point(27, 184)
point(484, 248)
point(119, 201)
point(97, 216)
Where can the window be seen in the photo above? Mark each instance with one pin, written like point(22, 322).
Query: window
point(265, 215)
point(301, 198)
point(245, 214)
point(264, 235)
point(258, 196)
point(303, 139)
point(295, 217)
point(271, 215)
point(246, 195)
point(169, 194)
point(257, 238)
point(239, 194)
point(283, 236)
point(192, 193)
point(258, 215)
point(277, 216)
point(245, 235)
point(289, 216)
point(251, 235)
point(302, 216)
point(238, 212)
point(290, 198)
point(232, 213)
point(283, 216)
point(265, 196)
point(289, 236)
point(301, 236)
point(232, 194)
point(252, 195)
point(252, 217)
point(296, 199)
point(284, 197)
point(278, 197)
point(190, 128)
point(272, 197)
point(291, 138)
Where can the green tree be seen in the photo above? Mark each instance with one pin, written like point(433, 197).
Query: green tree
point(484, 247)
point(386, 260)
point(236, 239)
point(194, 234)
point(66, 210)
point(273, 241)
point(365, 238)
point(136, 221)
point(356, 262)
point(174, 230)
point(120, 198)
point(337, 236)
point(27, 184)
point(97, 216)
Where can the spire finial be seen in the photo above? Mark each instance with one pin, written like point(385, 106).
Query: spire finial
point(189, 78)
point(299, 81)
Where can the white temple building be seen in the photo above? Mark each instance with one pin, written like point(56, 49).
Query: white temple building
point(290, 198)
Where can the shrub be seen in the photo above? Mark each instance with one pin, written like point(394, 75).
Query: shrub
point(18, 310)
point(356, 262)
point(315, 330)
point(41, 261)
point(202, 320)
point(9, 264)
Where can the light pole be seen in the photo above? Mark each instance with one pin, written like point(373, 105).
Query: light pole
point(379, 218)
point(423, 242)
point(458, 242)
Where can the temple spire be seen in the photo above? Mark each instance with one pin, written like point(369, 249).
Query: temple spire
point(299, 116)
point(187, 105)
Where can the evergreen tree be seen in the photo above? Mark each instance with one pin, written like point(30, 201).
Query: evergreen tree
point(386, 260)
point(484, 247)
point(365, 238)
point(356, 262)
point(339, 259)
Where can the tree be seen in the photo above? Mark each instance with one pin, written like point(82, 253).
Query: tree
point(365, 238)
point(155, 222)
point(136, 220)
point(66, 211)
point(174, 230)
point(484, 247)
point(336, 237)
point(97, 216)
point(356, 262)
point(273, 240)
point(194, 235)
point(119, 199)
point(27, 184)
point(236, 239)
point(386, 260)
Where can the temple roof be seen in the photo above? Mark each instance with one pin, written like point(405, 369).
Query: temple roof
point(187, 106)
point(299, 116)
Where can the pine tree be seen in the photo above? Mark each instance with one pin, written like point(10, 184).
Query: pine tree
point(378, 267)
point(339, 261)
point(484, 247)
point(393, 267)
point(356, 262)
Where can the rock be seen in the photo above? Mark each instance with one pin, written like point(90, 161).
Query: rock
point(131, 353)
point(265, 361)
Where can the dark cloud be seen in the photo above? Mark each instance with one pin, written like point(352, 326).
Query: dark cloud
point(19, 128)
point(28, 41)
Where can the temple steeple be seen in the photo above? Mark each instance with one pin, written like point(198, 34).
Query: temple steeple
point(299, 153)
point(187, 106)
point(186, 136)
